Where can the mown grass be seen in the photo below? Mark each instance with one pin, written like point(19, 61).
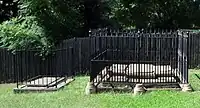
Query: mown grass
point(73, 97)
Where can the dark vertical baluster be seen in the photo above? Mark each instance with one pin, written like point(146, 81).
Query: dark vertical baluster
point(182, 57)
point(80, 57)
point(21, 67)
point(117, 53)
point(56, 66)
point(178, 44)
point(195, 52)
point(25, 66)
point(112, 53)
point(172, 56)
point(120, 39)
point(156, 45)
point(52, 66)
point(139, 57)
point(34, 64)
point(192, 51)
point(65, 67)
point(102, 73)
point(90, 58)
point(128, 54)
point(176, 55)
point(187, 65)
point(62, 61)
point(16, 67)
point(189, 51)
point(163, 36)
point(8, 67)
point(198, 51)
point(135, 65)
point(150, 51)
point(146, 64)
point(1, 65)
point(1, 77)
point(160, 55)
point(72, 62)
point(48, 77)
point(146, 69)
point(12, 70)
point(4, 61)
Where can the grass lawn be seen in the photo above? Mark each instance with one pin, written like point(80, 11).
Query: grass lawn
point(73, 97)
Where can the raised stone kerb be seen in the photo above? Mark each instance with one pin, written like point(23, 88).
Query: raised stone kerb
point(186, 87)
point(139, 89)
point(90, 88)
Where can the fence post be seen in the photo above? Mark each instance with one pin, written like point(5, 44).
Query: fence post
point(186, 56)
point(90, 57)
point(15, 69)
point(182, 60)
point(184, 48)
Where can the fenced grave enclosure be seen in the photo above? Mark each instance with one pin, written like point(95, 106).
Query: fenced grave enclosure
point(112, 58)
point(127, 58)
point(37, 73)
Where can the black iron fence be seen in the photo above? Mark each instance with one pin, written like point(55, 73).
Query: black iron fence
point(52, 68)
point(24, 66)
point(79, 51)
point(134, 57)
point(194, 50)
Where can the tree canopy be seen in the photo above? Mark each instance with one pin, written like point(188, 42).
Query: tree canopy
point(57, 20)
point(158, 13)
point(8, 9)
point(68, 16)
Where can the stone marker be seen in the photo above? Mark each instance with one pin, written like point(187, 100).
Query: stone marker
point(139, 89)
point(186, 87)
point(90, 88)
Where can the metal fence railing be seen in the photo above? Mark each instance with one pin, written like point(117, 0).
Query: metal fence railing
point(134, 57)
point(82, 50)
point(34, 70)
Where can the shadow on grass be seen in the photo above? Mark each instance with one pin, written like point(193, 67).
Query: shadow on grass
point(194, 79)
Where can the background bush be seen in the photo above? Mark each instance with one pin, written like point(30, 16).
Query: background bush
point(24, 33)
point(52, 21)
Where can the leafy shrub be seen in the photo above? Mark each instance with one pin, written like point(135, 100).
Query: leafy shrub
point(60, 18)
point(24, 33)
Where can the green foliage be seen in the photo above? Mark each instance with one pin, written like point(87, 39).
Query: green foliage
point(22, 34)
point(52, 19)
point(8, 9)
point(60, 18)
point(158, 13)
